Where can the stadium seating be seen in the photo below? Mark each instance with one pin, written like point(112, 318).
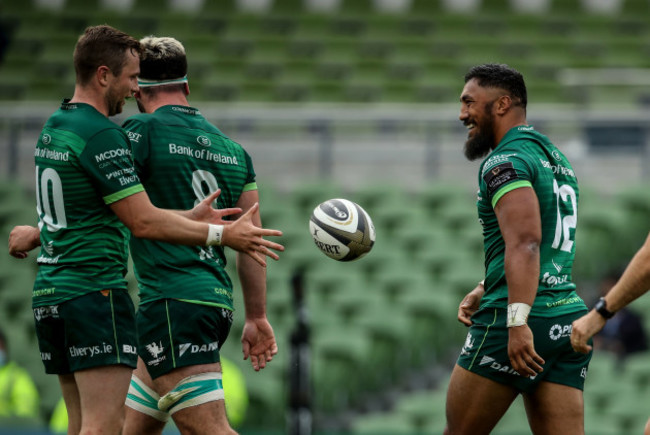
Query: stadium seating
point(361, 53)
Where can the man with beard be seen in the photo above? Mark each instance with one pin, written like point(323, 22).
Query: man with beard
point(520, 316)
point(88, 198)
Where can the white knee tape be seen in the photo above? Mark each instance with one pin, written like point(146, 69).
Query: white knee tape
point(192, 391)
point(144, 399)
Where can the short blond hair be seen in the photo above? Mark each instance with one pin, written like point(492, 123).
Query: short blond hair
point(163, 58)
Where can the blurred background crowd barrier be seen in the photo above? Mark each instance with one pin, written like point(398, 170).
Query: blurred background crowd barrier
point(359, 99)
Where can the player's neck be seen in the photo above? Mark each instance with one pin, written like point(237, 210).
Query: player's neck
point(167, 99)
point(87, 95)
point(506, 125)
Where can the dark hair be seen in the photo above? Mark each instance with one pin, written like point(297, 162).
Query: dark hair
point(493, 75)
point(102, 45)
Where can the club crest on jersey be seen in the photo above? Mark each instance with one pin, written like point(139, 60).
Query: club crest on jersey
point(204, 141)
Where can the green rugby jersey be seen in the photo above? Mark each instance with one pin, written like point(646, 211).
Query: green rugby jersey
point(83, 164)
point(181, 158)
point(523, 158)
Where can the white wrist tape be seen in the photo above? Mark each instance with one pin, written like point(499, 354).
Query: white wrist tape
point(482, 282)
point(215, 233)
point(517, 314)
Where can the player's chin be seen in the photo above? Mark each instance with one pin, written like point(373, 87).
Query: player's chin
point(116, 109)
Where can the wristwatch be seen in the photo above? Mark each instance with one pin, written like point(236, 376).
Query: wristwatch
point(601, 308)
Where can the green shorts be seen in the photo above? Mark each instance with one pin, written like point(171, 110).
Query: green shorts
point(486, 350)
point(174, 334)
point(96, 329)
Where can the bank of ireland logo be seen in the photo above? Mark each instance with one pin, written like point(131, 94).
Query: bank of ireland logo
point(204, 141)
point(556, 155)
point(47, 139)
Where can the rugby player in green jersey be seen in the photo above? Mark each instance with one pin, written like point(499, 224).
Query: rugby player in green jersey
point(521, 315)
point(88, 198)
point(186, 300)
point(634, 283)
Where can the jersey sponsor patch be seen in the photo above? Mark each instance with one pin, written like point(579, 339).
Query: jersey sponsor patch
point(499, 176)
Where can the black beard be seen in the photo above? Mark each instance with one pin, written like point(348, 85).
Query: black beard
point(479, 146)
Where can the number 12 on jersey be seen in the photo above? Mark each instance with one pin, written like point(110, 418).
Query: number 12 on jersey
point(564, 224)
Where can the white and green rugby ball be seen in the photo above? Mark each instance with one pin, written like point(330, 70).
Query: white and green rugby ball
point(342, 230)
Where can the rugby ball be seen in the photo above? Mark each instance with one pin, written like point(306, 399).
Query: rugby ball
point(342, 230)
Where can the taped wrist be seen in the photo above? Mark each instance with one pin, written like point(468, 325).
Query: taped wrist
point(215, 233)
point(517, 314)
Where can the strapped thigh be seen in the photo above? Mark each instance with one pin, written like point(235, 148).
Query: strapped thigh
point(193, 391)
point(144, 399)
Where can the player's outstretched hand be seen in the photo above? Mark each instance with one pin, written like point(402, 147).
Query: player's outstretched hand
point(584, 328)
point(22, 239)
point(521, 351)
point(258, 342)
point(243, 236)
point(204, 212)
point(469, 305)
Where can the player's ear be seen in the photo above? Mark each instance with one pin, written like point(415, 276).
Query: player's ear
point(503, 104)
point(187, 88)
point(102, 75)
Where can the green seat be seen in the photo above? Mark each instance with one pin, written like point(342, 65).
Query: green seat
point(598, 423)
point(288, 7)
point(424, 408)
point(603, 391)
point(432, 310)
point(635, 8)
point(399, 93)
point(383, 27)
point(338, 284)
point(389, 328)
point(636, 368)
point(630, 411)
point(139, 23)
point(305, 196)
point(514, 421)
point(383, 424)
point(339, 356)
point(395, 282)
point(426, 8)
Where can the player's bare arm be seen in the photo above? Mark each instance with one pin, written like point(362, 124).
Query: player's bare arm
point(22, 239)
point(634, 282)
point(258, 338)
point(520, 223)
